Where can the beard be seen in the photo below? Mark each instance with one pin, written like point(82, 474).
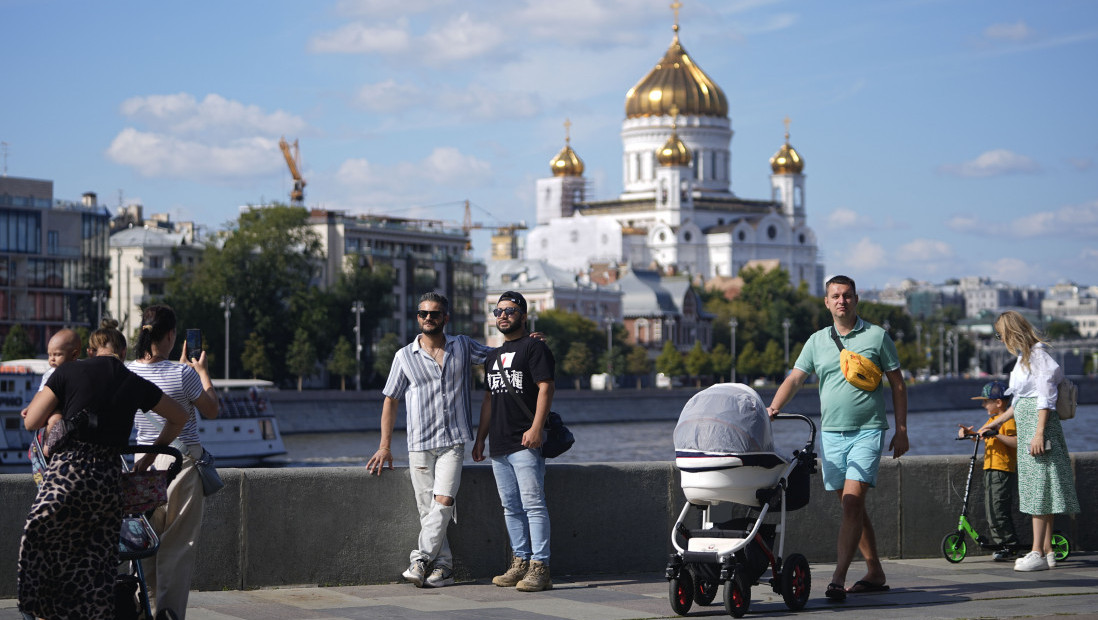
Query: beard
point(431, 331)
point(512, 328)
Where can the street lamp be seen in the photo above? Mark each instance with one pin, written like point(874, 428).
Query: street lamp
point(785, 329)
point(941, 350)
point(732, 323)
point(609, 352)
point(533, 318)
point(99, 297)
point(358, 308)
point(228, 304)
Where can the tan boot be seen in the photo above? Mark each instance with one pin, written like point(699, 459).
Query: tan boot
point(514, 574)
point(536, 579)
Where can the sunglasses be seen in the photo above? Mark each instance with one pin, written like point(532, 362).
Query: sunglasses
point(511, 311)
point(998, 336)
point(434, 314)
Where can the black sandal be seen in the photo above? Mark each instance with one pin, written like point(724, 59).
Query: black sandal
point(835, 593)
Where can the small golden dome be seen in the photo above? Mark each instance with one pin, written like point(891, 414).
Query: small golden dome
point(674, 152)
point(676, 81)
point(567, 163)
point(787, 160)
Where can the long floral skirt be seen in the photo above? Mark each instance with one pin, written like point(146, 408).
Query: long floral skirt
point(1046, 484)
point(69, 553)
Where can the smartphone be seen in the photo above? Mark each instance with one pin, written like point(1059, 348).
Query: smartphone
point(194, 343)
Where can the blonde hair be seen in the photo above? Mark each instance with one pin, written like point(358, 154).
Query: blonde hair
point(1017, 334)
point(108, 336)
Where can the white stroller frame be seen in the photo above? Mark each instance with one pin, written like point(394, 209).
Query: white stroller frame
point(694, 575)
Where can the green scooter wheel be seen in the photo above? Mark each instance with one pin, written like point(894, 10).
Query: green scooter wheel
point(1061, 546)
point(954, 547)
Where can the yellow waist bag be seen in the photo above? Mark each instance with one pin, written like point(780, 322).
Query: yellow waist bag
point(859, 370)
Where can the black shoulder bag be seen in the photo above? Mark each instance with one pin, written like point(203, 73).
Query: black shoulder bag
point(558, 439)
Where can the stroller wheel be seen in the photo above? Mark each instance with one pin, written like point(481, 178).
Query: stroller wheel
point(1061, 546)
point(796, 581)
point(737, 597)
point(705, 591)
point(681, 592)
point(954, 547)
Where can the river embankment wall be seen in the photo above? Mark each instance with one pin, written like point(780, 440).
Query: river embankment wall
point(316, 411)
point(336, 526)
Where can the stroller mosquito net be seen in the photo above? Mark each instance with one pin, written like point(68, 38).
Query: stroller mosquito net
point(728, 418)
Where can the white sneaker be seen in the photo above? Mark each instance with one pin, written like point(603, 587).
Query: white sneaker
point(1051, 559)
point(440, 576)
point(1032, 561)
point(418, 571)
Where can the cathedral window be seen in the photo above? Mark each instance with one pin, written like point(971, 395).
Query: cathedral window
point(742, 236)
point(686, 236)
point(801, 238)
point(772, 231)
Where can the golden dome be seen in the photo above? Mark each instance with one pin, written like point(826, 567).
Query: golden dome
point(787, 160)
point(567, 163)
point(676, 81)
point(674, 152)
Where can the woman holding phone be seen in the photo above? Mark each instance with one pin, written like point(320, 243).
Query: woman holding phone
point(178, 522)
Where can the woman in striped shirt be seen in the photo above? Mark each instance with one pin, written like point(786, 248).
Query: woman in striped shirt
point(179, 521)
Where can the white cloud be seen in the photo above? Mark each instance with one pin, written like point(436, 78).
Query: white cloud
point(843, 217)
point(1072, 220)
point(585, 22)
point(360, 38)
point(970, 224)
point(162, 155)
point(387, 8)
point(460, 39)
point(1018, 31)
point(474, 102)
point(925, 250)
point(1082, 164)
point(862, 255)
point(1013, 270)
point(997, 162)
point(389, 96)
point(444, 167)
point(182, 114)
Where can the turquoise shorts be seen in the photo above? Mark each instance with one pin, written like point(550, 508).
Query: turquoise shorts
point(851, 455)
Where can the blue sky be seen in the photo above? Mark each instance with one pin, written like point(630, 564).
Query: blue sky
point(941, 138)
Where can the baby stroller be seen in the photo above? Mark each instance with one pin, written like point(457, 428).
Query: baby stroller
point(725, 453)
point(142, 492)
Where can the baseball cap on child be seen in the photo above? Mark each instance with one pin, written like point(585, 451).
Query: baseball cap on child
point(992, 390)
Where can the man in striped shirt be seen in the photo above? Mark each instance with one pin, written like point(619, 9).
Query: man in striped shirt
point(434, 372)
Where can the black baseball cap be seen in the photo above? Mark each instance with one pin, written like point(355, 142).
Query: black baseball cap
point(515, 298)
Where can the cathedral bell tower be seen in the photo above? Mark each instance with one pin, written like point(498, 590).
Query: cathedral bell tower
point(559, 194)
point(787, 181)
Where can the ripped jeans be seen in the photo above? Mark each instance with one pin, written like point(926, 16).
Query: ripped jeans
point(435, 472)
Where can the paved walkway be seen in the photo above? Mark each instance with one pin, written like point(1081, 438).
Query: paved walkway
point(929, 588)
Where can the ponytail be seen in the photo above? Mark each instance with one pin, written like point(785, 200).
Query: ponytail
point(156, 322)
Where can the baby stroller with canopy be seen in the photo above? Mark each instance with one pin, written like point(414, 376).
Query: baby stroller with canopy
point(142, 492)
point(724, 450)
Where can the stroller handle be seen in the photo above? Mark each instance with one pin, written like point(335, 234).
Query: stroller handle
point(797, 416)
point(173, 469)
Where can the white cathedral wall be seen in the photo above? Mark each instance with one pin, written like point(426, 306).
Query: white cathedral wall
point(575, 242)
point(643, 136)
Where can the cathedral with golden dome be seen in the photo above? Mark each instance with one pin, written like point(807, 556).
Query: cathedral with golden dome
point(677, 213)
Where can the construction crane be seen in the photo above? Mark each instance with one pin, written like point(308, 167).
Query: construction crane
point(293, 160)
point(504, 240)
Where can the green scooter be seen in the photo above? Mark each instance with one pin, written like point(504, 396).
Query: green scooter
point(954, 547)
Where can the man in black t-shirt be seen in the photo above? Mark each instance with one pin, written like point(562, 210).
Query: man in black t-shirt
point(512, 418)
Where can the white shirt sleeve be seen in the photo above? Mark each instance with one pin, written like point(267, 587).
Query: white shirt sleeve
point(1039, 379)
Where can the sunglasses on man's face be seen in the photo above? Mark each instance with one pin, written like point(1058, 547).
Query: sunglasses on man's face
point(498, 312)
point(434, 314)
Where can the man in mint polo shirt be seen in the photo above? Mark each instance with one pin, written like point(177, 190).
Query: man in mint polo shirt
point(852, 424)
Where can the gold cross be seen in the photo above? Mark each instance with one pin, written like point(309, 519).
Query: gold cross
point(675, 6)
point(786, 121)
point(567, 132)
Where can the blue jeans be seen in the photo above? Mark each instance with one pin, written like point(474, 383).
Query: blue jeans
point(520, 480)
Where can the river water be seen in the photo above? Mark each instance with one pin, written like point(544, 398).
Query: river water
point(929, 433)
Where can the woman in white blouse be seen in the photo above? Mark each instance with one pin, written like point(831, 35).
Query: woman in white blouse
point(1046, 485)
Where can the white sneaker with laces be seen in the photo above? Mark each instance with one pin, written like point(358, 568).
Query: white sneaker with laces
point(1051, 559)
point(1032, 561)
point(416, 573)
point(439, 577)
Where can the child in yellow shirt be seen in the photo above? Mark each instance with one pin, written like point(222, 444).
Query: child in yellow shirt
point(1000, 471)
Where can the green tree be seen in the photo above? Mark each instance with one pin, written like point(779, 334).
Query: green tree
point(669, 361)
point(268, 260)
point(720, 360)
point(17, 344)
point(578, 362)
point(773, 361)
point(749, 362)
point(387, 349)
point(697, 363)
point(255, 360)
point(637, 363)
point(301, 356)
point(563, 328)
point(1057, 329)
point(343, 362)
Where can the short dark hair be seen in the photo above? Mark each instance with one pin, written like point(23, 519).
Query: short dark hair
point(844, 280)
point(437, 298)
